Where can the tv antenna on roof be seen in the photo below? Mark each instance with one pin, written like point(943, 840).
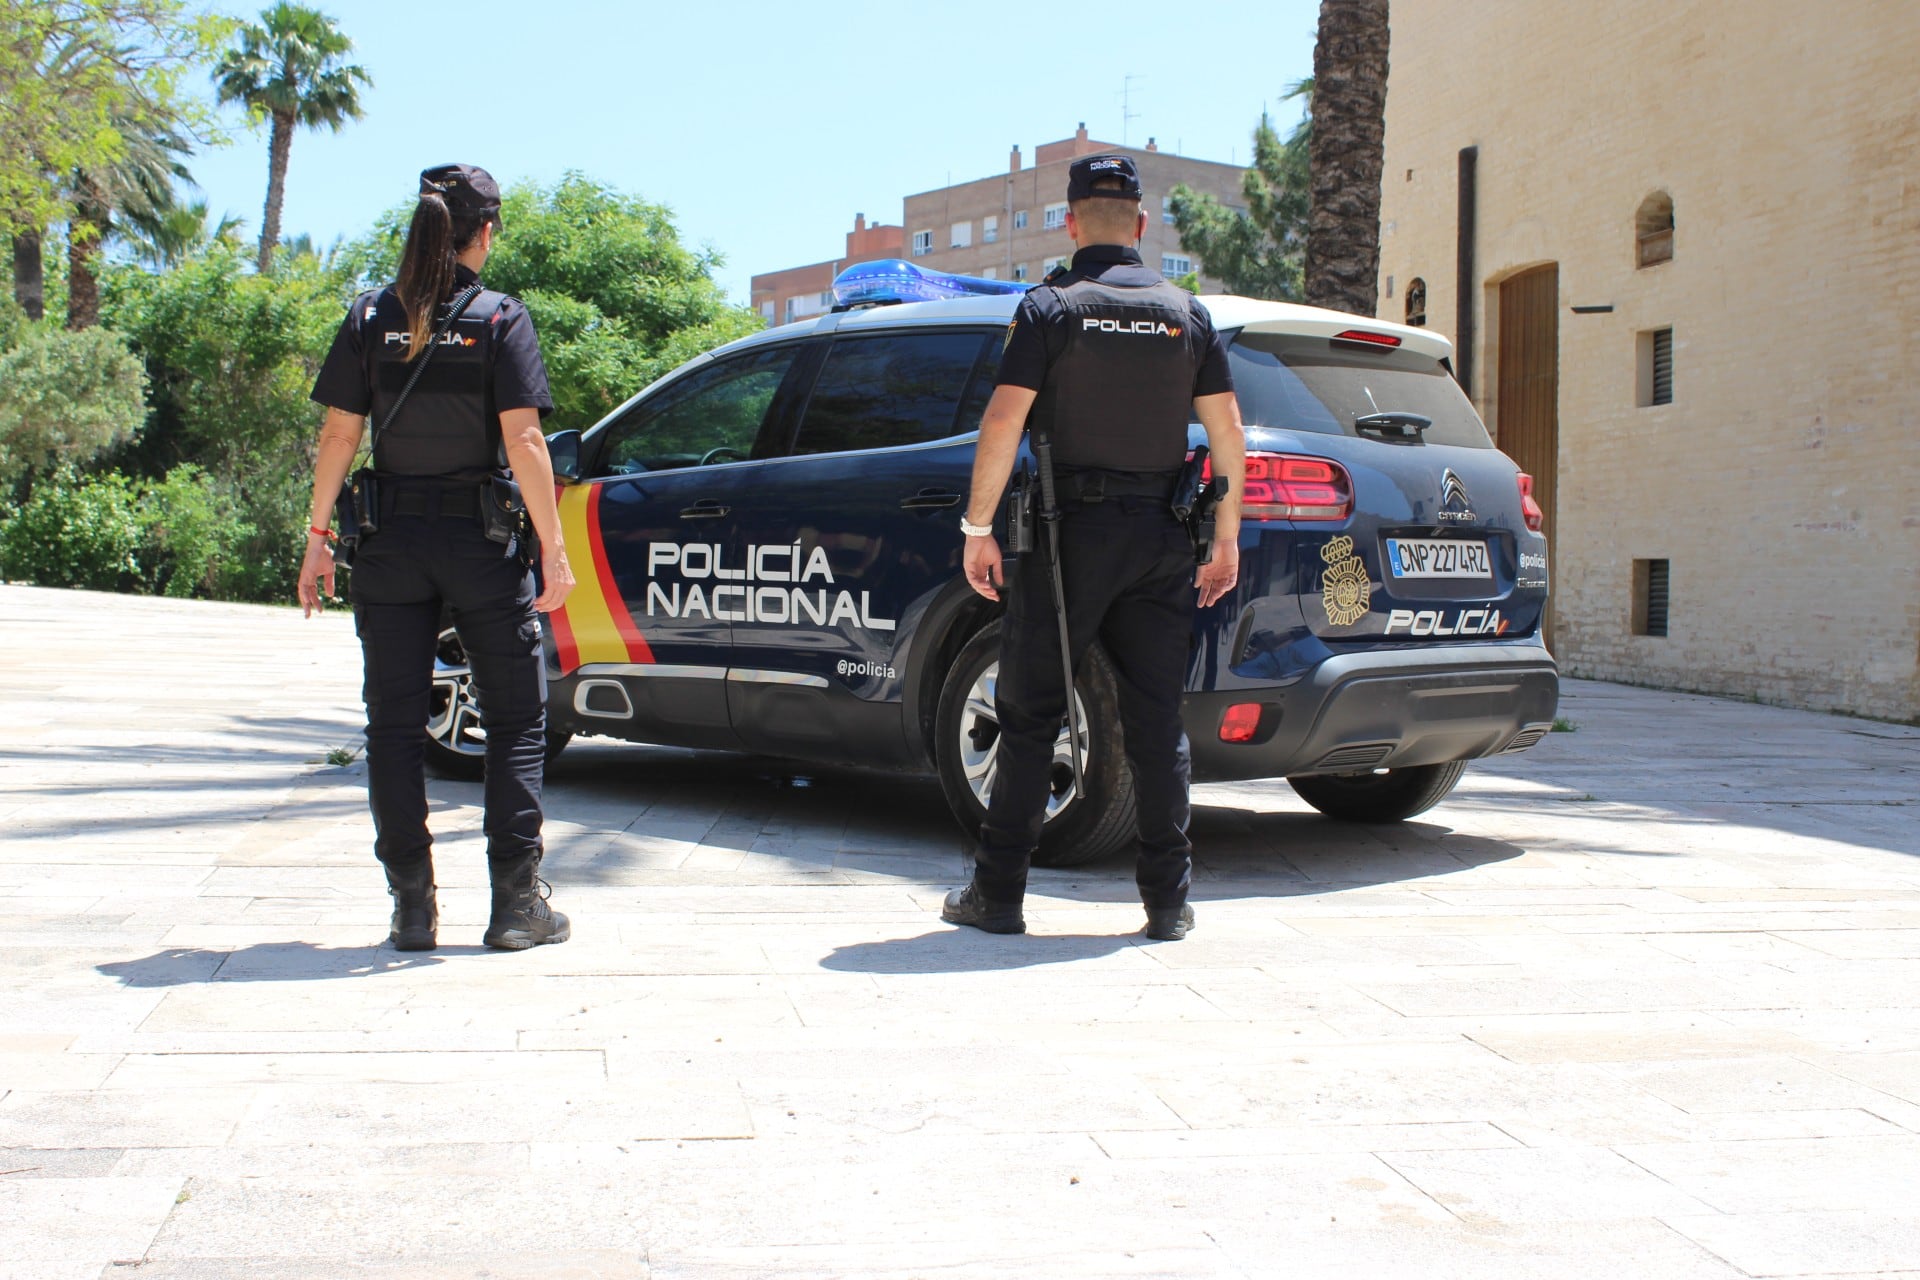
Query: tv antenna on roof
point(1127, 114)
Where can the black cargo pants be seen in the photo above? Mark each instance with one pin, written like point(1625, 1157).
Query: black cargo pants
point(431, 551)
point(1128, 569)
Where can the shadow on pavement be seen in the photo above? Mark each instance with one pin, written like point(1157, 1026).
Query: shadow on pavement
point(961, 950)
point(273, 962)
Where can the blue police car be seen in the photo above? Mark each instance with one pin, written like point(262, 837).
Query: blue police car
point(768, 555)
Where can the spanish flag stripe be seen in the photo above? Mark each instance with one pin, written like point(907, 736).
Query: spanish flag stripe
point(588, 621)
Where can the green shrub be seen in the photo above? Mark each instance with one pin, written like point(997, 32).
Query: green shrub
point(66, 396)
point(75, 532)
point(194, 536)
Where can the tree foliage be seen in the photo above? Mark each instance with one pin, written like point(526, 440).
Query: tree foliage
point(65, 397)
point(73, 75)
point(615, 296)
point(289, 69)
point(1257, 252)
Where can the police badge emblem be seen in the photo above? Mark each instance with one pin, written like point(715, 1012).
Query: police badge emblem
point(1345, 590)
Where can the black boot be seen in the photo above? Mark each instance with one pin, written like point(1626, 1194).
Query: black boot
point(521, 916)
point(970, 907)
point(416, 913)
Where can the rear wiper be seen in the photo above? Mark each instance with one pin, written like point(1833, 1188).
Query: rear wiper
point(1399, 421)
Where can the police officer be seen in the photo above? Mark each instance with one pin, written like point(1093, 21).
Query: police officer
point(1108, 358)
point(475, 405)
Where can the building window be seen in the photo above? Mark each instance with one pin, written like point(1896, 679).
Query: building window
point(993, 273)
point(1655, 373)
point(922, 242)
point(1019, 219)
point(1173, 264)
point(1166, 210)
point(1653, 230)
point(962, 235)
point(1055, 217)
point(1416, 302)
point(1650, 597)
point(1046, 268)
point(767, 313)
point(1020, 273)
point(989, 229)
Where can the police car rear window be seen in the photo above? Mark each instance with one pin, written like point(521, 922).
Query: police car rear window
point(881, 391)
point(1315, 384)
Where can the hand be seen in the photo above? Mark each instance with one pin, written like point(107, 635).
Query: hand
point(316, 571)
point(1217, 576)
point(982, 563)
point(556, 578)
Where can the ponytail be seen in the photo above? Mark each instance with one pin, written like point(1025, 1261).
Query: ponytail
point(434, 239)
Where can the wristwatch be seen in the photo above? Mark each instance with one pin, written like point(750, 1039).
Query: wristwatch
point(973, 530)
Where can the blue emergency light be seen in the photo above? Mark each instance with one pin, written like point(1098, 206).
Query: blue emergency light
point(894, 280)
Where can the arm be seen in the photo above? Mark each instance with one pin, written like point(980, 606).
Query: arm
point(1000, 428)
point(527, 455)
point(1220, 415)
point(339, 441)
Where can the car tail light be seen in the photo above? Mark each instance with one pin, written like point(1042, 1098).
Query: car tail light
point(1369, 339)
point(1240, 723)
point(1536, 518)
point(1288, 486)
point(1285, 486)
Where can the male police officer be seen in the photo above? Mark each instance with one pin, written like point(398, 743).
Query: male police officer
point(1108, 358)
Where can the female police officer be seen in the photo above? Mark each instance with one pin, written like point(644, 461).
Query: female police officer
point(475, 402)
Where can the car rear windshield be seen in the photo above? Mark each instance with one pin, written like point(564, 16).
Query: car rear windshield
point(1317, 384)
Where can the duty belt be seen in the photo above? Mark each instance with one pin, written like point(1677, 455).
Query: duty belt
point(1097, 486)
point(426, 498)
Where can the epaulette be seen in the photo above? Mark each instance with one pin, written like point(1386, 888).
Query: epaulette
point(1060, 269)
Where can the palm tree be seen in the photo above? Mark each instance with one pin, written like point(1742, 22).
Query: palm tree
point(178, 234)
point(136, 189)
point(1345, 154)
point(288, 68)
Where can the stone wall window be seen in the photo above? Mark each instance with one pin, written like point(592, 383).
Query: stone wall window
point(1650, 597)
point(1416, 301)
point(1653, 230)
point(1654, 376)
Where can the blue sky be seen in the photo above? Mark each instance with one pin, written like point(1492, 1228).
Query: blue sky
point(764, 126)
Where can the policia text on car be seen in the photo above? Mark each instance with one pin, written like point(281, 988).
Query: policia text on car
point(1103, 361)
point(456, 393)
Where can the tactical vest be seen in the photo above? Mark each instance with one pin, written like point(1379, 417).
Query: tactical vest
point(448, 423)
point(1121, 395)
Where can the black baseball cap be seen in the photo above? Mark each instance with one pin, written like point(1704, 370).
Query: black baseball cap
point(1085, 171)
point(467, 188)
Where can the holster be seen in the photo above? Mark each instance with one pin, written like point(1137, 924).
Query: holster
point(1020, 513)
point(357, 513)
point(1194, 498)
point(504, 518)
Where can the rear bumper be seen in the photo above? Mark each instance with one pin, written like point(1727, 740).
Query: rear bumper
point(1383, 710)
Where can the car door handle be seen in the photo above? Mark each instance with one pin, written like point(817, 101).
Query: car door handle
point(705, 509)
point(930, 498)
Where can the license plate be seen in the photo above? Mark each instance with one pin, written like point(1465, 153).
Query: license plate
point(1438, 558)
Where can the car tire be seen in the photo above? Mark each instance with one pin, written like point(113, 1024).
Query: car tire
point(1390, 795)
point(1079, 829)
point(456, 740)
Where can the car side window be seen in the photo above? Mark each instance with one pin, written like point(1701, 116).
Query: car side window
point(712, 415)
point(882, 390)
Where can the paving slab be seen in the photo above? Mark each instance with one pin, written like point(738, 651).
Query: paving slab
point(1642, 1001)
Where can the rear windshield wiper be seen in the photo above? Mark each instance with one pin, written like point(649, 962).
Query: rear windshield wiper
point(1399, 421)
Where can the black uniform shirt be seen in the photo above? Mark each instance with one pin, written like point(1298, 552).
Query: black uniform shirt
point(1038, 333)
point(518, 376)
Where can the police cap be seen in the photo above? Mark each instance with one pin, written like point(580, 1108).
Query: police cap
point(1087, 170)
point(467, 188)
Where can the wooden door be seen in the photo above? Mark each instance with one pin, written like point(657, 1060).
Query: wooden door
point(1527, 415)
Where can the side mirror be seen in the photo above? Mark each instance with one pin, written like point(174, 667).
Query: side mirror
point(564, 448)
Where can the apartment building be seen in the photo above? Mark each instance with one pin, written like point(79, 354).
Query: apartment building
point(797, 292)
point(1679, 257)
point(1013, 225)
